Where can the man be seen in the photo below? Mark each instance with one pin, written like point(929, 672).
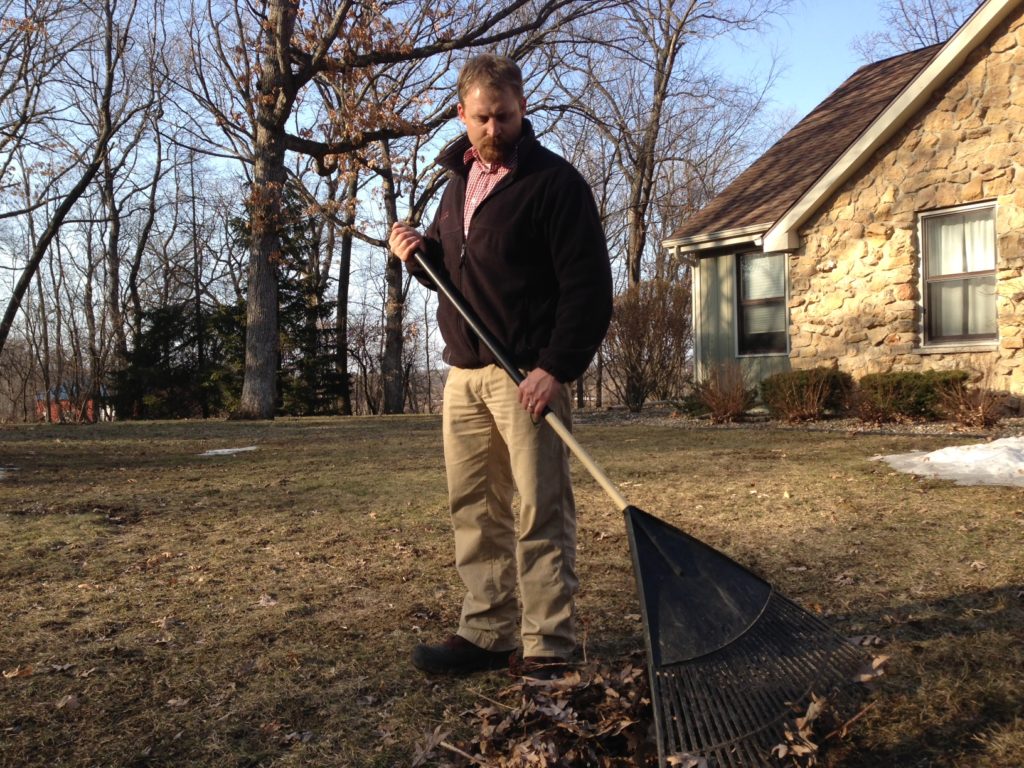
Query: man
point(518, 233)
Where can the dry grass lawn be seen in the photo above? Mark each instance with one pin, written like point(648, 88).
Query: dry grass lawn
point(163, 608)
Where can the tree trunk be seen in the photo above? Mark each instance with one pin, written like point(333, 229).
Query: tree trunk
point(394, 339)
point(344, 276)
point(394, 304)
point(197, 295)
point(45, 347)
point(427, 362)
point(276, 89)
point(95, 344)
point(113, 248)
point(259, 388)
point(135, 298)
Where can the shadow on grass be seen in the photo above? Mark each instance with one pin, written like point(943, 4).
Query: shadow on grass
point(952, 671)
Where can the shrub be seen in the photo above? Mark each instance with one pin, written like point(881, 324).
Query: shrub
point(980, 406)
point(903, 395)
point(808, 394)
point(645, 351)
point(724, 392)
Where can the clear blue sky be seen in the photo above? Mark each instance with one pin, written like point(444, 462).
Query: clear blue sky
point(813, 45)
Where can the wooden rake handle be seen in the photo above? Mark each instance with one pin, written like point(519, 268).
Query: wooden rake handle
point(443, 284)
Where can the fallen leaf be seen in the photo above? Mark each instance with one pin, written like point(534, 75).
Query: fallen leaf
point(69, 702)
point(426, 750)
point(684, 760)
point(19, 671)
point(266, 601)
point(872, 671)
point(177, 702)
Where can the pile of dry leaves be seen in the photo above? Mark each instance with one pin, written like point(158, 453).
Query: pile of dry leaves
point(600, 716)
point(596, 716)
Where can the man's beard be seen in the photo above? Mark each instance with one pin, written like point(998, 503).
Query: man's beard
point(493, 150)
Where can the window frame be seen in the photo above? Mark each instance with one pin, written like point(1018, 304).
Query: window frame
point(926, 280)
point(741, 303)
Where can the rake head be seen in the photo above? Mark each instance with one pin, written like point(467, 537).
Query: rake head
point(729, 658)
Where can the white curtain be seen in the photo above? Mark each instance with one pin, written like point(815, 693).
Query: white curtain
point(962, 242)
point(979, 241)
point(981, 306)
point(958, 244)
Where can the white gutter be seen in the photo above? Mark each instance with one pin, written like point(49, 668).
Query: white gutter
point(784, 236)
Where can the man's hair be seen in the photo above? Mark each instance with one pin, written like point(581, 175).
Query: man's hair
point(490, 72)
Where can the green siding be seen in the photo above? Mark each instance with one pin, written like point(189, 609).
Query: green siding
point(716, 319)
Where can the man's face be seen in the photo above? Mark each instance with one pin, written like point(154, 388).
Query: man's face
point(493, 120)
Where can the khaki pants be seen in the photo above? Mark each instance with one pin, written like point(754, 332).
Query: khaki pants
point(490, 445)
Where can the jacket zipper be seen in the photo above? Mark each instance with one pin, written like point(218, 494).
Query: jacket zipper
point(466, 331)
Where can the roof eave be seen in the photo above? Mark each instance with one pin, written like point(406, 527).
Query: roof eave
point(706, 241)
point(783, 235)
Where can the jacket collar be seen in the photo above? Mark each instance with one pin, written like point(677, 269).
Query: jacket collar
point(451, 157)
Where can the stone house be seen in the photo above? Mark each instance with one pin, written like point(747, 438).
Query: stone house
point(885, 231)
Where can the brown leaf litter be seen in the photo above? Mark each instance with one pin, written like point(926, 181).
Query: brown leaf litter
point(597, 715)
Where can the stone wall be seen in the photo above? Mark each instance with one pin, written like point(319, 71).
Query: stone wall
point(854, 285)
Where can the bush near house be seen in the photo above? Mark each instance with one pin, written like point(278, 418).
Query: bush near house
point(979, 406)
point(724, 393)
point(904, 395)
point(816, 393)
point(808, 394)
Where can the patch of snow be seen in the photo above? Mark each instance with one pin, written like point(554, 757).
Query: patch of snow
point(228, 451)
point(1000, 462)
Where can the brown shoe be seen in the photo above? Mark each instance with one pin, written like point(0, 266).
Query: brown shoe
point(457, 656)
point(540, 667)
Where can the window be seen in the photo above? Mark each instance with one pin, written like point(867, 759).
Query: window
point(959, 275)
point(762, 303)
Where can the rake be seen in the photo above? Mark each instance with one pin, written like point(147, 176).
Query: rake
point(729, 658)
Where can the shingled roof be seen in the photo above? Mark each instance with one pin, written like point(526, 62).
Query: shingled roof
point(766, 190)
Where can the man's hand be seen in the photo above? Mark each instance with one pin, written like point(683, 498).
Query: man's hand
point(537, 390)
point(404, 241)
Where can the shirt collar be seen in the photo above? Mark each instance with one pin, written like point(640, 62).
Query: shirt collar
point(471, 156)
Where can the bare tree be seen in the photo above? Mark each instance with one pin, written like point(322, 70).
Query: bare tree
point(645, 348)
point(658, 133)
point(94, 105)
point(911, 24)
point(642, 83)
point(36, 39)
point(268, 53)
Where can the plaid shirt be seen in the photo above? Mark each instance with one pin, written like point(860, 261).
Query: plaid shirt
point(482, 180)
